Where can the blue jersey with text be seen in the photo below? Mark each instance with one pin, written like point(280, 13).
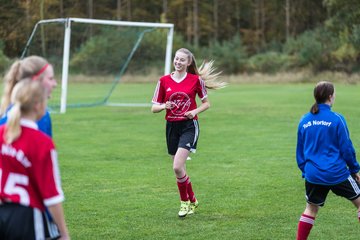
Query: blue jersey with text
point(324, 152)
point(44, 123)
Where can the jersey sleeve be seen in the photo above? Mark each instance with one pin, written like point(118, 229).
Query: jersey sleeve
point(4, 117)
point(45, 125)
point(159, 94)
point(346, 147)
point(201, 89)
point(3, 120)
point(300, 159)
point(50, 183)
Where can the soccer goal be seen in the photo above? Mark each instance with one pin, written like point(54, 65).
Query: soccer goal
point(94, 56)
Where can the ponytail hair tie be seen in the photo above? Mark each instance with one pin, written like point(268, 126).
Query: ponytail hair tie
point(34, 77)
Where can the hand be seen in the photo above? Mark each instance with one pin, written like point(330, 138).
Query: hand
point(190, 114)
point(169, 105)
point(356, 176)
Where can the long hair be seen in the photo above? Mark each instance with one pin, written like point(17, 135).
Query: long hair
point(322, 91)
point(206, 71)
point(32, 66)
point(26, 94)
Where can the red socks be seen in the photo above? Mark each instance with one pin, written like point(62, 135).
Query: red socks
point(191, 192)
point(305, 224)
point(185, 189)
point(182, 186)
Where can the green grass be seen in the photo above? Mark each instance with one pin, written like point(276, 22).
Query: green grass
point(119, 184)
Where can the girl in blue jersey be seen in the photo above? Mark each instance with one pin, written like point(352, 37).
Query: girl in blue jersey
point(326, 157)
point(36, 68)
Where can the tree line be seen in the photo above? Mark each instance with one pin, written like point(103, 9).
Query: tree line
point(242, 35)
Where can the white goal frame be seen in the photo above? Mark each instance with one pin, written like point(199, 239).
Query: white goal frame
point(67, 36)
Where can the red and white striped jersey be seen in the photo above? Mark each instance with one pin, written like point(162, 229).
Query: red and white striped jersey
point(29, 173)
point(182, 94)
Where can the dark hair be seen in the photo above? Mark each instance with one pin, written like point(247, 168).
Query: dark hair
point(322, 91)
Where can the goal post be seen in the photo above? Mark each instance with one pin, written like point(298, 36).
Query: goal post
point(67, 34)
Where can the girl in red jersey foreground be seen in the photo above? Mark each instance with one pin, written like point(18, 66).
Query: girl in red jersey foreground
point(29, 174)
point(176, 94)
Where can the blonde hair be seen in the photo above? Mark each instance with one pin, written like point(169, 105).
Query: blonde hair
point(26, 94)
point(206, 71)
point(21, 69)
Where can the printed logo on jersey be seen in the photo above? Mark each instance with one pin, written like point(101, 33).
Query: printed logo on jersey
point(181, 103)
point(168, 89)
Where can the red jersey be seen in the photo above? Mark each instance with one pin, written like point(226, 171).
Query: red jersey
point(29, 173)
point(181, 94)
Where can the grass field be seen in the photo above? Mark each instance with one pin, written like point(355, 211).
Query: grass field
point(119, 184)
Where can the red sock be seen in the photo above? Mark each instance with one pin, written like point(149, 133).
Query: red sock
point(359, 215)
point(191, 192)
point(182, 185)
point(305, 224)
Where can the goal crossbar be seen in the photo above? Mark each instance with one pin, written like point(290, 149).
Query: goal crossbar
point(67, 36)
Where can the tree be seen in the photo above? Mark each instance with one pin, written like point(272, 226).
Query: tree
point(196, 22)
point(344, 21)
point(163, 18)
point(287, 20)
point(216, 19)
point(43, 40)
point(118, 10)
point(90, 10)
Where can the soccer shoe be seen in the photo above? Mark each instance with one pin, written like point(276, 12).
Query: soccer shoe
point(192, 207)
point(184, 208)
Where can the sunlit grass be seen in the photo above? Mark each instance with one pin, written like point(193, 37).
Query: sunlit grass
point(119, 184)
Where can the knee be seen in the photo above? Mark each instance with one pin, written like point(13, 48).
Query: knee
point(356, 202)
point(177, 170)
point(311, 210)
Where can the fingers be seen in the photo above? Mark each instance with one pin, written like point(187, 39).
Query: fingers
point(356, 176)
point(168, 105)
point(189, 115)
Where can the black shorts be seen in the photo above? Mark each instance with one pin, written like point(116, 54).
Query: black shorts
point(20, 222)
point(316, 194)
point(182, 134)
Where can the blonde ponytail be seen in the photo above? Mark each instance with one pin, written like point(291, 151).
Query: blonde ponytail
point(24, 97)
point(13, 129)
point(210, 77)
point(206, 71)
point(10, 79)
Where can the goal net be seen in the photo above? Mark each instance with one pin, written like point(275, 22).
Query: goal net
point(91, 57)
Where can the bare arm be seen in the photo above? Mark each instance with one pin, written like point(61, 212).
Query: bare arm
point(205, 104)
point(155, 108)
point(159, 107)
point(58, 215)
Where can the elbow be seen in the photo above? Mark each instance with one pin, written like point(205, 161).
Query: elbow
point(208, 105)
point(153, 109)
